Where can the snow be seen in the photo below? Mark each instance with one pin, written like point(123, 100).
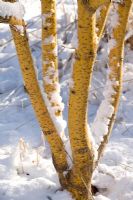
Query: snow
point(11, 9)
point(104, 113)
point(26, 170)
point(51, 39)
point(45, 16)
point(59, 122)
point(113, 19)
point(111, 44)
point(50, 72)
point(55, 97)
point(100, 197)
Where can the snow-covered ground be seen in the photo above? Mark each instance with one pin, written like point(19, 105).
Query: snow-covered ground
point(26, 170)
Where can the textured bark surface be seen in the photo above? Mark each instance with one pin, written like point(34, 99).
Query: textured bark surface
point(12, 21)
point(49, 51)
point(116, 57)
point(100, 24)
point(31, 84)
point(37, 101)
point(94, 5)
point(82, 152)
point(78, 179)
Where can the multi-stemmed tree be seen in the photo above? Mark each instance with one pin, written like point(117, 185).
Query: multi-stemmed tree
point(85, 153)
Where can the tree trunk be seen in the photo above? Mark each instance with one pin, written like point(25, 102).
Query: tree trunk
point(49, 54)
point(31, 84)
point(80, 139)
point(81, 144)
point(78, 179)
point(116, 58)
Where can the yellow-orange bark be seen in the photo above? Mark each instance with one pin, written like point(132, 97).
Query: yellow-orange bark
point(49, 52)
point(82, 71)
point(100, 24)
point(83, 157)
point(31, 84)
point(116, 57)
point(78, 179)
point(33, 89)
point(12, 21)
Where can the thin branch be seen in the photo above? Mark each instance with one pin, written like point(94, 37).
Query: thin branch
point(102, 19)
point(116, 64)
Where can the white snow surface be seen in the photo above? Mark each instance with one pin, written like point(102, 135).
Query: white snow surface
point(8, 9)
point(51, 39)
point(104, 113)
point(26, 170)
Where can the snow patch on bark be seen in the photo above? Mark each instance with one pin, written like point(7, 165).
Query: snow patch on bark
point(113, 22)
point(49, 40)
point(104, 113)
point(11, 9)
point(59, 122)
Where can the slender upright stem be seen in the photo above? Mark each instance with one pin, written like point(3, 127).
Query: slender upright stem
point(116, 65)
point(31, 84)
point(49, 54)
point(100, 24)
point(33, 89)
